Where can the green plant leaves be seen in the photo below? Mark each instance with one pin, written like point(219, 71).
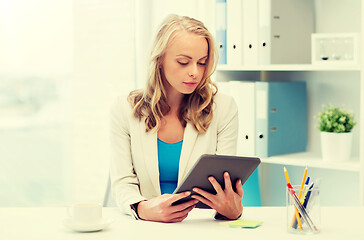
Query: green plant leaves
point(336, 120)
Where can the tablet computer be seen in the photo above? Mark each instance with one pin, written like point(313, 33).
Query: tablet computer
point(216, 165)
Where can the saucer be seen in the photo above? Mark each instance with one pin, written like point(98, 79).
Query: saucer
point(70, 223)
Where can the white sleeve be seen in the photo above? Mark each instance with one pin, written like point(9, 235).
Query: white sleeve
point(124, 182)
point(227, 133)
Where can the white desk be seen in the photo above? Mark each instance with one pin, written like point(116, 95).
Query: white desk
point(46, 223)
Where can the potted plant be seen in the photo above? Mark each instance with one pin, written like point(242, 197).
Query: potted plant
point(336, 125)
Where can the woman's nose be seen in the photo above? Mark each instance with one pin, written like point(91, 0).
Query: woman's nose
point(193, 71)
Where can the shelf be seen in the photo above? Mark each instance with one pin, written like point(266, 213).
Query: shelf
point(290, 67)
point(314, 161)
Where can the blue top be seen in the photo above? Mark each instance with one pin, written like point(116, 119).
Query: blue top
point(168, 162)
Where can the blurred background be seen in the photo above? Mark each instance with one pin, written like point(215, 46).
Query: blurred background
point(62, 63)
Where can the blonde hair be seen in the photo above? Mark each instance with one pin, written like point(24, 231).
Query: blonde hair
point(151, 102)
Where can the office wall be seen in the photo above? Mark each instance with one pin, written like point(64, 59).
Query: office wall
point(103, 69)
point(36, 37)
point(36, 46)
point(62, 64)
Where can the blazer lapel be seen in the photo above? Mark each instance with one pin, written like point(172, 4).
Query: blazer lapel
point(150, 155)
point(189, 139)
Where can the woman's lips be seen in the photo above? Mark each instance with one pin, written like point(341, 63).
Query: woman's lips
point(190, 84)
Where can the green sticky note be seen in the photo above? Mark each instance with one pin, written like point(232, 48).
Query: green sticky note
point(245, 224)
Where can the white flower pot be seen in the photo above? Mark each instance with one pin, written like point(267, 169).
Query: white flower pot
point(336, 147)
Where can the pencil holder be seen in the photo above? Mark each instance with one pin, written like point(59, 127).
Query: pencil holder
point(303, 210)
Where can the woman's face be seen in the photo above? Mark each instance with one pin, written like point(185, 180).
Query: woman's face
point(184, 63)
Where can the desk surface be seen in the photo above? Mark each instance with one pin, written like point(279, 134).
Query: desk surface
point(46, 223)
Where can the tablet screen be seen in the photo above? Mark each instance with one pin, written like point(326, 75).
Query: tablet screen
point(216, 165)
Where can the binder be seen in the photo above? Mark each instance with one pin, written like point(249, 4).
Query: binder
point(267, 31)
point(264, 25)
point(234, 30)
point(281, 118)
point(250, 32)
point(243, 93)
point(285, 27)
point(242, 32)
point(221, 30)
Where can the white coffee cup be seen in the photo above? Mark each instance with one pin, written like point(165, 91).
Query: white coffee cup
point(85, 213)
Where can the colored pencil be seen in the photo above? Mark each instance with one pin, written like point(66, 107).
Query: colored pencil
point(296, 211)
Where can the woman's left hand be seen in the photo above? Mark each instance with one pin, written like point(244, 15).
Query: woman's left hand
point(226, 202)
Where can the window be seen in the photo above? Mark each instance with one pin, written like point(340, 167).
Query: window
point(62, 63)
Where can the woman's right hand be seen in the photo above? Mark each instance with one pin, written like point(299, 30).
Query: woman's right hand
point(160, 208)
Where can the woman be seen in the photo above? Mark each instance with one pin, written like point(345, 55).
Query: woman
point(160, 132)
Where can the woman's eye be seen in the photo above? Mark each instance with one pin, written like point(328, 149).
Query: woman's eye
point(183, 63)
point(202, 64)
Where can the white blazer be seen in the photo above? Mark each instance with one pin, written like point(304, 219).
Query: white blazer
point(134, 169)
